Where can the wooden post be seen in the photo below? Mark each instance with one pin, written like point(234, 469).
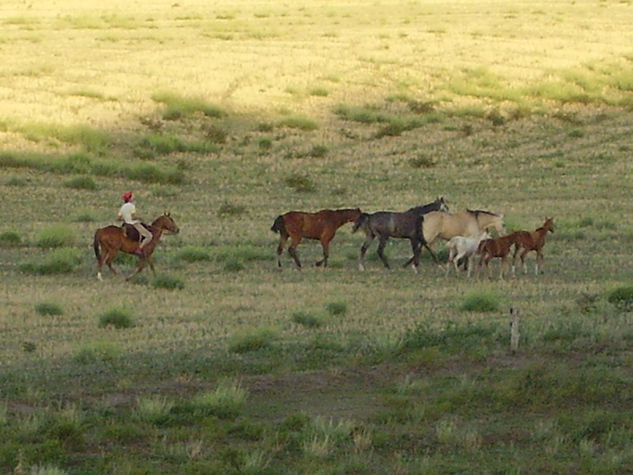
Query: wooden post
point(514, 330)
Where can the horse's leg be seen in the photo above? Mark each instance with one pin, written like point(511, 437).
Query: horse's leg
point(151, 264)
point(280, 248)
point(381, 246)
point(141, 264)
point(514, 257)
point(523, 264)
point(504, 263)
point(368, 240)
point(539, 261)
point(292, 250)
point(451, 256)
point(416, 254)
point(325, 244)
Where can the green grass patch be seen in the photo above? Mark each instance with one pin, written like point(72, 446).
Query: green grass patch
point(81, 183)
point(10, 239)
point(230, 209)
point(480, 301)
point(336, 308)
point(87, 164)
point(300, 183)
point(117, 318)
point(97, 352)
point(178, 106)
point(58, 261)
point(253, 340)
point(193, 254)
point(307, 319)
point(622, 297)
point(163, 281)
point(226, 401)
point(48, 308)
point(299, 122)
point(58, 235)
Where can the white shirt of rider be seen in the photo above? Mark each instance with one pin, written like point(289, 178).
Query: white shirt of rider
point(127, 212)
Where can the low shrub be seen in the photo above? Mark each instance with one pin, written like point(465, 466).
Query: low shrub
point(58, 235)
point(153, 409)
point(480, 302)
point(59, 261)
point(253, 340)
point(117, 318)
point(193, 254)
point(230, 209)
point(622, 297)
point(48, 308)
point(307, 319)
point(299, 122)
point(336, 308)
point(300, 183)
point(81, 183)
point(10, 239)
point(225, 402)
point(168, 282)
point(318, 151)
point(99, 352)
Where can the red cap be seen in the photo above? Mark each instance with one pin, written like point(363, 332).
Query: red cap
point(127, 196)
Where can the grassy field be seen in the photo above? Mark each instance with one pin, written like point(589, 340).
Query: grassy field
point(228, 114)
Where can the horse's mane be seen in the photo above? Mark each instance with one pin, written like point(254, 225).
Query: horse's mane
point(477, 212)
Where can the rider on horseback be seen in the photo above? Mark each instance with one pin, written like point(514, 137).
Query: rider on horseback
point(127, 214)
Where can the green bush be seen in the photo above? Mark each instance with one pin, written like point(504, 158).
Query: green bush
point(252, 341)
point(622, 297)
point(193, 254)
point(225, 402)
point(59, 261)
point(116, 318)
point(99, 352)
point(307, 319)
point(10, 239)
point(480, 302)
point(81, 183)
point(168, 282)
point(229, 209)
point(299, 122)
point(336, 308)
point(48, 308)
point(58, 235)
point(300, 183)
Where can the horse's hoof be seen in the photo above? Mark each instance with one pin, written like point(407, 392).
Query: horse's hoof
point(99, 278)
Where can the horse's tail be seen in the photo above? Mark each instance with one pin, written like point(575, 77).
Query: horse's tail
point(95, 244)
point(278, 225)
point(360, 221)
point(419, 234)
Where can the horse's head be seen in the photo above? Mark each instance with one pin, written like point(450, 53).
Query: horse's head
point(548, 225)
point(362, 218)
point(166, 222)
point(441, 204)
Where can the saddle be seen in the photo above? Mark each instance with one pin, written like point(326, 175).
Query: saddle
point(131, 233)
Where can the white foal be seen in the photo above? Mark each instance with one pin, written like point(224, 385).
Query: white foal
point(463, 247)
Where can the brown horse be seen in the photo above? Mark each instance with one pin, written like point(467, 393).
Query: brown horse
point(321, 225)
point(527, 241)
point(110, 240)
point(491, 248)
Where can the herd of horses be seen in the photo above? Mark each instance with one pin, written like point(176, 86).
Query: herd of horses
point(467, 233)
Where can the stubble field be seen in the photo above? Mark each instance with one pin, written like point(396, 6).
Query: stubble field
point(228, 115)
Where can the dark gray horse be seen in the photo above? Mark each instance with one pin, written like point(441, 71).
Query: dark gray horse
point(406, 225)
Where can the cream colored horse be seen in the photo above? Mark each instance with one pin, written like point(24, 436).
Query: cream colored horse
point(469, 223)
